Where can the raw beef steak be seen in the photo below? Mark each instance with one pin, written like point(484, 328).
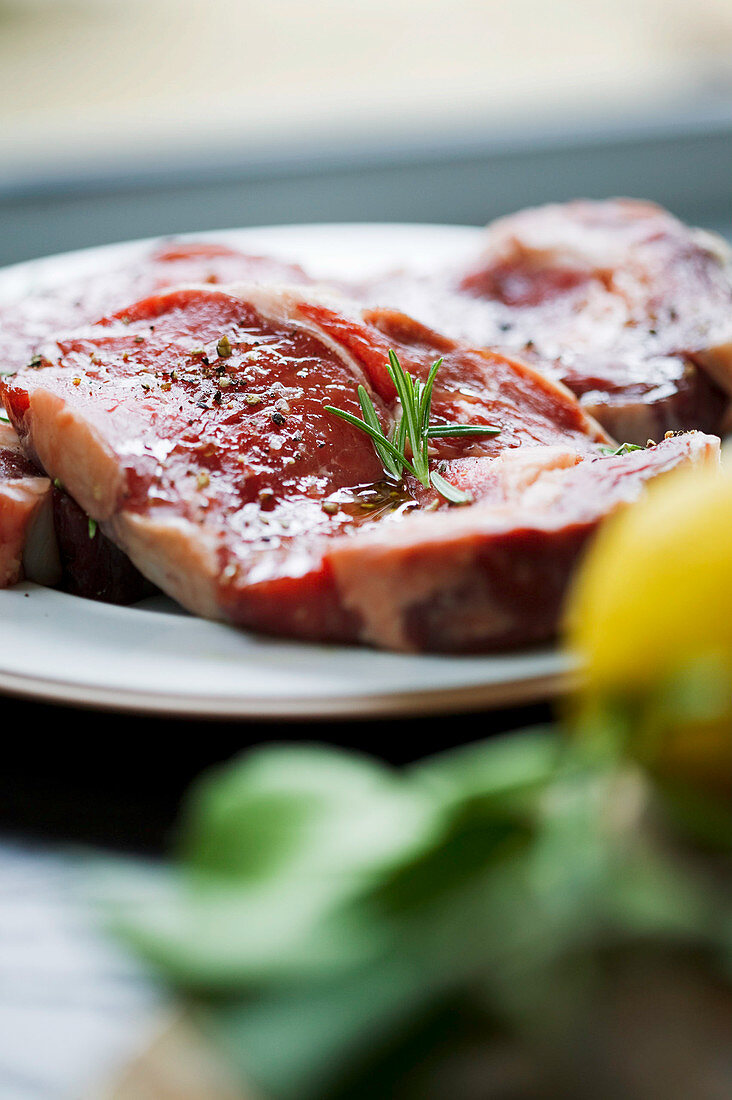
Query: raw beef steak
point(45, 537)
point(26, 527)
point(25, 323)
point(630, 308)
point(192, 426)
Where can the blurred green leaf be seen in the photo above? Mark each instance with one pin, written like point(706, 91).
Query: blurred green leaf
point(288, 810)
point(512, 765)
point(301, 1042)
point(327, 907)
point(214, 936)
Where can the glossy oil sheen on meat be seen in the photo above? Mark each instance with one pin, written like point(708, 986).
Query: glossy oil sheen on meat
point(630, 308)
point(191, 425)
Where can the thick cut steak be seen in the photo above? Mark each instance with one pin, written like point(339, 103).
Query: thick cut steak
point(25, 323)
point(494, 575)
point(26, 528)
point(91, 565)
point(45, 536)
point(630, 308)
point(57, 546)
point(191, 425)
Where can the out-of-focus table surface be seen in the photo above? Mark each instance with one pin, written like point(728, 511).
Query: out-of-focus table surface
point(74, 1007)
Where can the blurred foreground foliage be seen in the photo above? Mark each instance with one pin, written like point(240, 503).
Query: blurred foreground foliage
point(520, 918)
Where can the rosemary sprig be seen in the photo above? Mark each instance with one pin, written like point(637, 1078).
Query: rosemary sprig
point(413, 426)
point(623, 449)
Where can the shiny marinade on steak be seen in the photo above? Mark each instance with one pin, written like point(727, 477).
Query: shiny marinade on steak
point(28, 319)
point(44, 535)
point(191, 427)
point(630, 308)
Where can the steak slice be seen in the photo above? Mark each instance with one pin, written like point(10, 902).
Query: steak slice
point(91, 566)
point(494, 576)
point(45, 537)
point(26, 527)
point(191, 425)
point(630, 308)
point(29, 320)
point(56, 543)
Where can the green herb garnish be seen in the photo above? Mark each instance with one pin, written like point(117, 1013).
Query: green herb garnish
point(623, 449)
point(4, 418)
point(92, 527)
point(413, 427)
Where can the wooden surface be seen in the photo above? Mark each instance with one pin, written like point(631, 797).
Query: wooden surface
point(177, 1065)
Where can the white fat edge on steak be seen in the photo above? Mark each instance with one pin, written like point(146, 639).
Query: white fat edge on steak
point(174, 553)
point(181, 557)
point(388, 570)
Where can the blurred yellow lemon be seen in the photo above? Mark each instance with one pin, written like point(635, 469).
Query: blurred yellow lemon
point(651, 620)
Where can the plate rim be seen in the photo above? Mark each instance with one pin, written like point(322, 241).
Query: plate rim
point(417, 703)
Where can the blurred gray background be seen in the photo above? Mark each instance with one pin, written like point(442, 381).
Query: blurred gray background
point(136, 119)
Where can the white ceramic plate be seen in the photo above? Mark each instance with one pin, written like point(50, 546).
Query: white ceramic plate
point(155, 658)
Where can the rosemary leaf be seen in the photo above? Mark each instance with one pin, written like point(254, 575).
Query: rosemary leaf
point(415, 400)
point(377, 436)
point(623, 449)
point(426, 403)
point(439, 431)
point(405, 392)
point(390, 464)
point(448, 491)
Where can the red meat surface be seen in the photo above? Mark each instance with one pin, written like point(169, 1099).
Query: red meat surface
point(626, 305)
point(25, 323)
point(191, 425)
